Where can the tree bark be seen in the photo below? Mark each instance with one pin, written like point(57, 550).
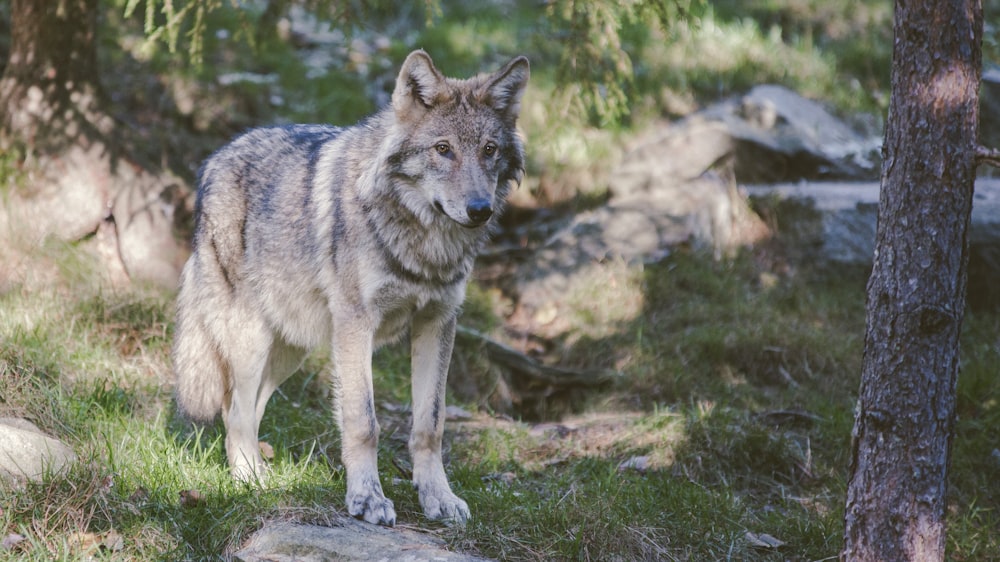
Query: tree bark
point(79, 181)
point(916, 294)
point(50, 104)
point(50, 81)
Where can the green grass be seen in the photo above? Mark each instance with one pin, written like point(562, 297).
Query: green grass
point(731, 446)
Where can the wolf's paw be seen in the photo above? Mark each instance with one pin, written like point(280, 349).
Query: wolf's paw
point(373, 507)
point(442, 505)
point(254, 474)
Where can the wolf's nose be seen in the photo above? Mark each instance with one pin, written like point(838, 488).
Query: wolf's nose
point(479, 210)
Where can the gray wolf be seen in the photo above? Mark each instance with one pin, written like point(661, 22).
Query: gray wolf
point(308, 235)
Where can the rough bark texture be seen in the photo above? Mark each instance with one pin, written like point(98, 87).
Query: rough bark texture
point(49, 101)
point(50, 81)
point(916, 294)
point(78, 178)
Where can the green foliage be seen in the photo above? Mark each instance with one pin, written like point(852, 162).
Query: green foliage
point(11, 172)
point(599, 68)
point(595, 66)
point(838, 51)
point(164, 22)
point(595, 69)
point(186, 22)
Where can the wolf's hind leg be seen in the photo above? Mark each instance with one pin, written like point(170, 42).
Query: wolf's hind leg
point(432, 342)
point(247, 359)
point(283, 360)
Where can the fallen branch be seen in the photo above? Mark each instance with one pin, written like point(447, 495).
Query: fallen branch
point(989, 156)
point(519, 363)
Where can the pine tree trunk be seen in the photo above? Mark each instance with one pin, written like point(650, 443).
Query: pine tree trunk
point(916, 294)
point(50, 104)
point(50, 81)
point(79, 180)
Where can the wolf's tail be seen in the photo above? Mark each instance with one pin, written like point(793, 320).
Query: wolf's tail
point(199, 370)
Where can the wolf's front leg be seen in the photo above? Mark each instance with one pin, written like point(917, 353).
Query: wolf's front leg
point(355, 410)
point(432, 339)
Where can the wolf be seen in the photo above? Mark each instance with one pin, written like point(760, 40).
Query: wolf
point(312, 235)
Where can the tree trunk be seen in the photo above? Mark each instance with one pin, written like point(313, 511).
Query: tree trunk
point(916, 294)
point(50, 103)
point(78, 180)
point(50, 82)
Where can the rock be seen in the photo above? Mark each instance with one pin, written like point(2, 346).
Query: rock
point(146, 211)
point(28, 453)
point(638, 464)
point(989, 107)
point(641, 227)
point(835, 222)
point(777, 135)
point(829, 221)
point(85, 191)
point(663, 194)
point(67, 200)
point(770, 135)
point(347, 540)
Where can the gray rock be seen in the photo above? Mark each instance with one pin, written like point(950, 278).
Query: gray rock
point(145, 216)
point(28, 453)
point(770, 135)
point(989, 107)
point(347, 540)
point(847, 212)
point(778, 135)
point(663, 194)
point(836, 223)
point(85, 190)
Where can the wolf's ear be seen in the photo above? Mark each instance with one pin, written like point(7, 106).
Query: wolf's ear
point(506, 86)
point(418, 86)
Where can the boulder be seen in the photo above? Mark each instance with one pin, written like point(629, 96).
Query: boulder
point(639, 226)
point(676, 185)
point(769, 135)
point(146, 212)
point(776, 135)
point(346, 540)
point(135, 214)
point(825, 221)
point(989, 107)
point(26, 452)
point(834, 222)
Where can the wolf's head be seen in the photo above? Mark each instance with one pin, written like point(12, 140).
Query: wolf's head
point(460, 149)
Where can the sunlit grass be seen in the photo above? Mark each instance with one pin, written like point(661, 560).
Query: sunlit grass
point(703, 441)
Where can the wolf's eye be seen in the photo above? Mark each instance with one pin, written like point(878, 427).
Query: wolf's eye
point(490, 149)
point(442, 148)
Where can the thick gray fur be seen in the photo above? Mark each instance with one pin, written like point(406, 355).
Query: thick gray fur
point(312, 235)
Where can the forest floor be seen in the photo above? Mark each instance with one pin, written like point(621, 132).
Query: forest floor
point(725, 437)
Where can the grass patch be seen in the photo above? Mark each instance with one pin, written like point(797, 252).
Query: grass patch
point(703, 441)
point(12, 176)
